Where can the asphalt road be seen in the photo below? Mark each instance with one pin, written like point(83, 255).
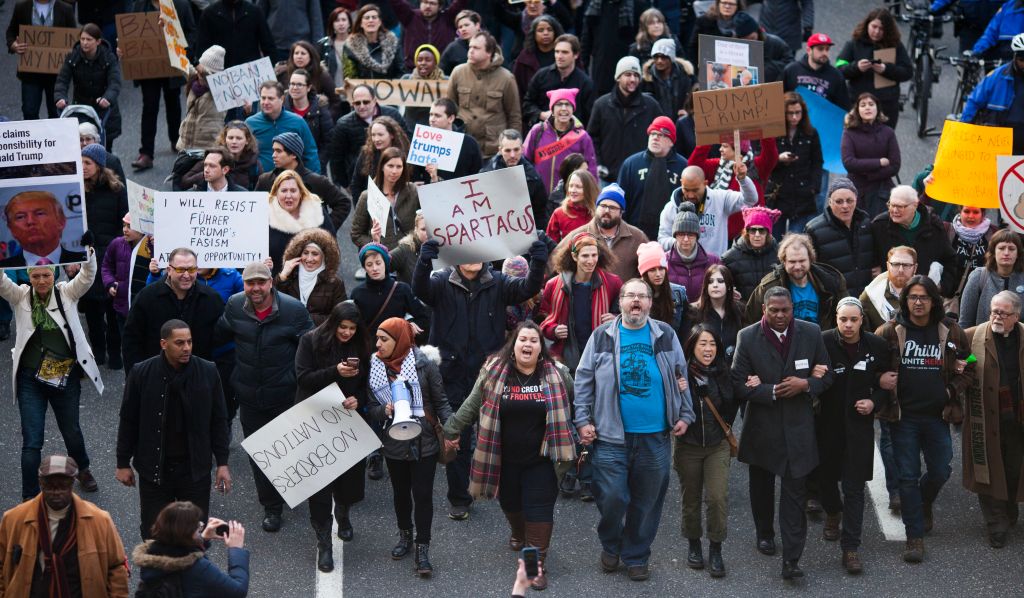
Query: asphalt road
point(470, 557)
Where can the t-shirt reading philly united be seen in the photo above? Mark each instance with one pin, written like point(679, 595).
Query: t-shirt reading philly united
point(641, 394)
point(805, 302)
point(524, 413)
point(920, 386)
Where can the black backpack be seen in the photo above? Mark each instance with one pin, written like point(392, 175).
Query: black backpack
point(183, 163)
point(167, 586)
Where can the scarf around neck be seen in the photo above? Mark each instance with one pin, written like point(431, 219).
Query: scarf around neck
point(360, 48)
point(307, 281)
point(56, 550)
point(380, 384)
point(723, 176)
point(970, 235)
point(41, 318)
point(625, 12)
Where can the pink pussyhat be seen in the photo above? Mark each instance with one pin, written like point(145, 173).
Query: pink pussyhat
point(760, 216)
point(557, 95)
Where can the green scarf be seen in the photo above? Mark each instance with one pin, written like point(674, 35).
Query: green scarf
point(41, 319)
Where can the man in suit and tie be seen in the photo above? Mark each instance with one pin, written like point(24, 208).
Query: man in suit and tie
point(774, 371)
point(36, 221)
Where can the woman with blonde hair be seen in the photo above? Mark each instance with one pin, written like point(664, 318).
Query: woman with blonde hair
point(238, 138)
point(293, 209)
point(577, 208)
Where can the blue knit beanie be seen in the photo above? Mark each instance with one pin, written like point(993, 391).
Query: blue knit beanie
point(96, 153)
point(615, 193)
point(383, 251)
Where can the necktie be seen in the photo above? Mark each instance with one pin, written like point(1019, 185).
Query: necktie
point(782, 338)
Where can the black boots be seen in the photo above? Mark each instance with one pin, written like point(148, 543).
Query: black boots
point(423, 566)
point(695, 557)
point(716, 566)
point(345, 532)
point(324, 550)
point(404, 544)
point(375, 466)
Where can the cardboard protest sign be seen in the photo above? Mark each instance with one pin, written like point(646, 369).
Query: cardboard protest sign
point(725, 62)
point(41, 193)
point(756, 112)
point(481, 217)
point(240, 85)
point(438, 146)
point(965, 164)
point(47, 48)
point(226, 230)
point(143, 48)
point(827, 119)
point(377, 205)
point(140, 207)
point(310, 445)
point(887, 55)
point(174, 36)
point(1011, 190)
point(402, 92)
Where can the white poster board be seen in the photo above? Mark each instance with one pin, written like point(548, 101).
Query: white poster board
point(140, 207)
point(41, 170)
point(310, 445)
point(1011, 191)
point(240, 85)
point(431, 145)
point(226, 230)
point(481, 217)
point(377, 205)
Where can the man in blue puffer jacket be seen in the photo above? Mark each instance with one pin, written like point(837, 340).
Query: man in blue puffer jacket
point(1007, 23)
point(995, 100)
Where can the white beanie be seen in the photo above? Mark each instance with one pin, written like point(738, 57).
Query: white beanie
point(213, 59)
point(627, 64)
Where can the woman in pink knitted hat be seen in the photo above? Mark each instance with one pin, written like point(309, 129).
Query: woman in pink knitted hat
point(550, 141)
point(754, 253)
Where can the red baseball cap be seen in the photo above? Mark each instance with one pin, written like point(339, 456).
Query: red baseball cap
point(819, 39)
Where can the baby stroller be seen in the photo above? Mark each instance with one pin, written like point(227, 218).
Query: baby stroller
point(85, 113)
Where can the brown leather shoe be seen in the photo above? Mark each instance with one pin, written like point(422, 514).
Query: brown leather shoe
point(143, 162)
point(87, 482)
point(830, 531)
point(851, 561)
point(609, 562)
point(518, 526)
point(539, 535)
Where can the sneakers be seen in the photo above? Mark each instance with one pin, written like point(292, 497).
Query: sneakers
point(830, 531)
point(695, 557)
point(143, 162)
point(914, 550)
point(851, 562)
point(87, 482)
point(459, 513)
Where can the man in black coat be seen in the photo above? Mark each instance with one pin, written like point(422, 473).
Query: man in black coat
point(444, 115)
point(349, 133)
point(176, 297)
point(814, 71)
point(466, 326)
point(842, 237)
point(240, 28)
point(35, 85)
point(563, 74)
point(773, 370)
point(173, 418)
point(266, 326)
point(288, 151)
point(217, 164)
point(510, 155)
point(618, 123)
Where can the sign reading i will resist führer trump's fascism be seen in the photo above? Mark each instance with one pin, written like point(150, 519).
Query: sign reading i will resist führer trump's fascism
point(310, 445)
point(226, 230)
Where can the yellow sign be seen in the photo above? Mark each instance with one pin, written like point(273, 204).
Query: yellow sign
point(173, 36)
point(966, 171)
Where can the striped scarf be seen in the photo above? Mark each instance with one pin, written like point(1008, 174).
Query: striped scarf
point(54, 554)
point(600, 302)
point(558, 444)
point(380, 384)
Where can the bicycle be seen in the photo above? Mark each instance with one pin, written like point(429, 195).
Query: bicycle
point(970, 70)
point(925, 57)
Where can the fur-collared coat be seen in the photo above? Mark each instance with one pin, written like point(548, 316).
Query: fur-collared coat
point(329, 290)
point(284, 226)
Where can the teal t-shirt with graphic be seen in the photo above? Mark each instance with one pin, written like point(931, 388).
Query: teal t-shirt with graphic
point(805, 302)
point(641, 394)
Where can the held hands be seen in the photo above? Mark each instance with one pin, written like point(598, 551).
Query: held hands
point(753, 381)
point(451, 445)
point(588, 434)
point(561, 332)
point(126, 476)
point(887, 381)
point(819, 371)
point(864, 406)
point(680, 428)
point(791, 386)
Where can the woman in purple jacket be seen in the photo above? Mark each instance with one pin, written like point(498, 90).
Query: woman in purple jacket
point(871, 153)
point(551, 141)
point(124, 270)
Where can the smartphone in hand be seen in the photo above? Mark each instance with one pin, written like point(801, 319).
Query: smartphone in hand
point(531, 558)
point(222, 530)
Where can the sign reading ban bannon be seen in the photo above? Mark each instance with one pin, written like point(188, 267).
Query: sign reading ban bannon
point(481, 217)
point(310, 445)
point(756, 111)
point(226, 230)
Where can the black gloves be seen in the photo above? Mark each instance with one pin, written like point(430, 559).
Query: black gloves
point(429, 250)
point(88, 239)
point(538, 251)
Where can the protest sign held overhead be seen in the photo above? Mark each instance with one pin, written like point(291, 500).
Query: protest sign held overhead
point(965, 171)
point(725, 62)
point(1011, 190)
point(756, 111)
point(481, 217)
point(174, 36)
point(435, 146)
point(240, 85)
point(143, 47)
point(226, 230)
point(41, 193)
point(140, 207)
point(310, 445)
point(402, 92)
point(47, 48)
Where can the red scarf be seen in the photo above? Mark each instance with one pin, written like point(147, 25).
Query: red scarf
point(54, 561)
point(600, 302)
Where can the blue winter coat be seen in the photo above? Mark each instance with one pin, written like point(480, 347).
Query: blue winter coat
point(1008, 22)
point(994, 94)
point(200, 578)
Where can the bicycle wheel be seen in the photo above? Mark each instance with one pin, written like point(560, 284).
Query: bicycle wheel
point(922, 94)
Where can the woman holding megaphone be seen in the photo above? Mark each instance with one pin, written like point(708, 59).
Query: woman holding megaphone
point(406, 389)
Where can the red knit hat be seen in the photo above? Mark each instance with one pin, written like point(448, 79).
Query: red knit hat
point(665, 126)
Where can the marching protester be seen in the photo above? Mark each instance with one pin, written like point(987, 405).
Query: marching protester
point(293, 209)
point(427, 69)
point(391, 176)
point(173, 418)
point(713, 205)
point(687, 259)
point(578, 207)
point(411, 463)
point(272, 120)
point(349, 134)
point(384, 132)
point(288, 150)
point(335, 352)
point(91, 70)
point(444, 114)
point(407, 252)
point(81, 547)
point(125, 268)
point(522, 401)
point(309, 272)
point(265, 325)
point(647, 176)
point(318, 91)
point(668, 299)
point(563, 73)
point(371, 51)
point(632, 363)
point(550, 141)
point(51, 352)
point(971, 231)
point(538, 48)
point(510, 155)
point(718, 310)
point(927, 351)
point(37, 88)
point(175, 558)
point(486, 93)
point(1003, 271)
point(217, 165)
point(755, 251)
point(992, 444)
point(202, 120)
point(871, 153)
point(302, 99)
point(381, 296)
point(338, 24)
point(860, 62)
point(842, 236)
point(620, 119)
point(238, 139)
point(846, 432)
point(794, 181)
point(772, 371)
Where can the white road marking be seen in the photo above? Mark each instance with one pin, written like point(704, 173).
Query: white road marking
point(891, 525)
point(332, 585)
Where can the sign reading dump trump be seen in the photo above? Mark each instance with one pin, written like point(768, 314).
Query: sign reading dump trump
point(756, 111)
point(310, 445)
point(226, 230)
point(480, 217)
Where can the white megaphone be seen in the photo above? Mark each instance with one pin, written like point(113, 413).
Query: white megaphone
point(404, 427)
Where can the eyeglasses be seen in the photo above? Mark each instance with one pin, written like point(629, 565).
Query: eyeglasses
point(995, 313)
point(361, 102)
point(757, 230)
point(901, 265)
point(918, 299)
point(897, 206)
point(177, 270)
point(609, 207)
point(632, 296)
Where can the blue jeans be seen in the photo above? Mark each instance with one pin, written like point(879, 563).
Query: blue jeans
point(33, 397)
point(630, 481)
point(912, 436)
point(892, 475)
